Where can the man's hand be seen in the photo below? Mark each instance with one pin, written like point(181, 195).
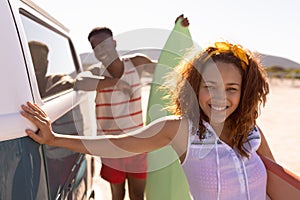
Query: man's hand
point(184, 22)
point(87, 81)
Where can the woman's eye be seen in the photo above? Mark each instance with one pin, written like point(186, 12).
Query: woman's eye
point(231, 89)
point(209, 87)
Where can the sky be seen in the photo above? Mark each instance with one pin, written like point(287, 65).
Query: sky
point(266, 26)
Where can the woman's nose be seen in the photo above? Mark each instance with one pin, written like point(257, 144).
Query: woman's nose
point(218, 94)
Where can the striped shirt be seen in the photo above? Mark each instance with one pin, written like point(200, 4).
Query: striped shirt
point(117, 111)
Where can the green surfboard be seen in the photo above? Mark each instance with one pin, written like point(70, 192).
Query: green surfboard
point(166, 179)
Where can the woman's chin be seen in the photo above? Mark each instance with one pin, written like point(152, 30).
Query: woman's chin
point(217, 118)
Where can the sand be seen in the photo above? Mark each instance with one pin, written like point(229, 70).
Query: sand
point(280, 122)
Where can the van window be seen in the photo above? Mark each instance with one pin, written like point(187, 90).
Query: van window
point(52, 56)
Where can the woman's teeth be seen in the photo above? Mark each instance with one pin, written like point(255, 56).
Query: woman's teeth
point(218, 108)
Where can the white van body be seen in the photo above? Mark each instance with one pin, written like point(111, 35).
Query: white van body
point(29, 170)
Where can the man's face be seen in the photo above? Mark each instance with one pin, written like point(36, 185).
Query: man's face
point(104, 48)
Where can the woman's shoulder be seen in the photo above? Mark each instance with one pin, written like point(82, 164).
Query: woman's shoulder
point(254, 134)
point(253, 141)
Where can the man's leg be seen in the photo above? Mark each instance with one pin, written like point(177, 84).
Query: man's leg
point(136, 187)
point(136, 175)
point(115, 177)
point(117, 191)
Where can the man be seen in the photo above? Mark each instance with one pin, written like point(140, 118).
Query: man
point(118, 110)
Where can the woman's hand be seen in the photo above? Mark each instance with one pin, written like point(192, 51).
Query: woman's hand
point(36, 115)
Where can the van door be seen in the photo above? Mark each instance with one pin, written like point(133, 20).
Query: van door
point(22, 172)
point(55, 66)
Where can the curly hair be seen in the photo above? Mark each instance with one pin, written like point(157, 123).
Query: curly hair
point(254, 89)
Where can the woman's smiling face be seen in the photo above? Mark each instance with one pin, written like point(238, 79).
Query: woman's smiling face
point(220, 91)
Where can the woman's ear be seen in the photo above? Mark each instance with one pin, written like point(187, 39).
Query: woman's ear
point(115, 43)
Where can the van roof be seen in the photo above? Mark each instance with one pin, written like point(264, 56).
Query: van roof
point(44, 13)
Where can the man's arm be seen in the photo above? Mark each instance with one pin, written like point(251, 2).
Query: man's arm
point(93, 83)
point(143, 64)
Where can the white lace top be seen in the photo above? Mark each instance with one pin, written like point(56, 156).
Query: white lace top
point(216, 171)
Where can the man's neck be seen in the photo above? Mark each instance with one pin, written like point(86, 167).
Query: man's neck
point(116, 68)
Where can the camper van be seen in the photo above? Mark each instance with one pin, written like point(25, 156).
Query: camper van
point(39, 64)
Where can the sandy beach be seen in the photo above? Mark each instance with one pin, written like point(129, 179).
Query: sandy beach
point(279, 121)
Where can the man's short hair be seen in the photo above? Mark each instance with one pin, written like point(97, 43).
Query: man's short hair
point(98, 30)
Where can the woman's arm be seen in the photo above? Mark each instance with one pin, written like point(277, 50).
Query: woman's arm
point(156, 135)
point(264, 148)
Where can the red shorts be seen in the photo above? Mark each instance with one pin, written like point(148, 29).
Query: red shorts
point(115, 170)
